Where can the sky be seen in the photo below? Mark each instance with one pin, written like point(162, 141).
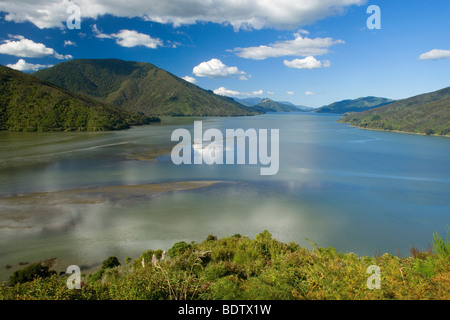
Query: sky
point(308, 52)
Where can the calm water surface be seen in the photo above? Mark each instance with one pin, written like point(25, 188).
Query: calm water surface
point(360, 191)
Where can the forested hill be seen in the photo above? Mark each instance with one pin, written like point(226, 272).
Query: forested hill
point(140, 87)
point(29, 104)
point(274, 106)
point(425, 114)
point(355, 105)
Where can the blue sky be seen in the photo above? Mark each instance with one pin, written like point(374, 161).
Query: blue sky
point(308, 52)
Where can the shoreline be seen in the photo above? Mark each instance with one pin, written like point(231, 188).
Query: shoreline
point(396, 131)
point(19, 219)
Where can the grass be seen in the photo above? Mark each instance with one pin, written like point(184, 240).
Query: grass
point(241, 268)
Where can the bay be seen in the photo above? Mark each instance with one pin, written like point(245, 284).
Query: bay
point(81, 197)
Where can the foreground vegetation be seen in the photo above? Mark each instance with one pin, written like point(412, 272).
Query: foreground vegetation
point(424, 114)
point(237, 267)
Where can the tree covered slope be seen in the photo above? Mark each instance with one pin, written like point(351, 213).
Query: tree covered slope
point(29, 104)
point(425, 114)
point(139, 87)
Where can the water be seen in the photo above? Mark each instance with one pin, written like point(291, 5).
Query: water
point(360, 191)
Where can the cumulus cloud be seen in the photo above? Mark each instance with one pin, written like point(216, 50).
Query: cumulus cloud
point(300, 46)
point(131, 38)
point(290, 92)
point(307, 63)
point(309, 93)
point(25, 48)
point(215, 69)
point(222, 91)
point(190, 79)
point(435, 54)
point(270, 92)
point(249, 14)
point(24, 66)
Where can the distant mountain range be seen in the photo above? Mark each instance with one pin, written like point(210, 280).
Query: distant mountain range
point(268, 105)
point(108, 94)
point(248, 102)
point(356, 105)
point(425, 114)
point(29, 104)
point(139, 87)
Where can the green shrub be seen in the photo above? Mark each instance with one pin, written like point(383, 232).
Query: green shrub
point(178, 249)
point(97, 275)
point(110, 263)
point(211, 238)
point(426, 267)
point(441, 247)
point(148, 257)
point(30, 273)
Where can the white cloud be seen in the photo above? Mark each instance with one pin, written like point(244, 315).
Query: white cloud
point(25, 48)
point(435, 54)
point(270, 92)
point(307, 63)
point(69, 43)
point(290, 92)
point(131, 38)
point(190, 79)
point(22, 65)
point(222, 91)
point(257, 93)
point(100, 34)
point(309, 93)
point(300, 46)
point(248, 14)
point(215, 69)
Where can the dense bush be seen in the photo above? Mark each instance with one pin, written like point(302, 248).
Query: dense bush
point(111, 262)
point(262, 268)
point(30, 273)
point(178, 249)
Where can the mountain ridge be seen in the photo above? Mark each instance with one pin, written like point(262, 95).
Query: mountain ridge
point(139, 87)
point(269, 105)
point(354, 105)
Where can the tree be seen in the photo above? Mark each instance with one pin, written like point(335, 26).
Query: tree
point(110, 263)
point(30, 273)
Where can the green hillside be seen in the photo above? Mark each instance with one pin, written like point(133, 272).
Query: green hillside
point(272, 106)
point(140, 87)
point(356, 105)
point(29, 104)
point(425, 114)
